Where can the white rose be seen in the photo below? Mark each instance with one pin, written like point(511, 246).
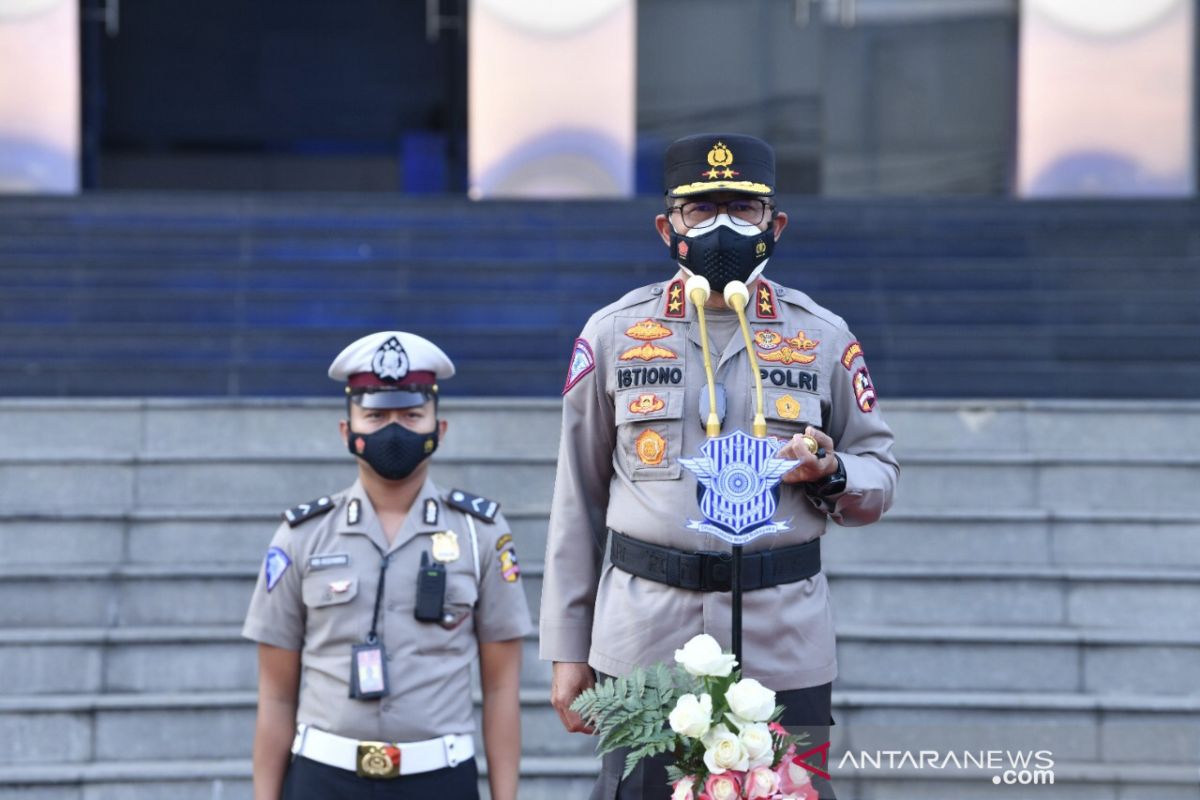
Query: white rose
point(723, 750)
point(750, 700)
point(702, 656)
point(756, 739)
point(692, 716)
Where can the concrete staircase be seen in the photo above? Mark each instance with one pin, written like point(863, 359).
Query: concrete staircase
point(1036, 587)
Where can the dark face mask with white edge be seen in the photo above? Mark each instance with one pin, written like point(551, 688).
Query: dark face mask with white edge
point(726, 251)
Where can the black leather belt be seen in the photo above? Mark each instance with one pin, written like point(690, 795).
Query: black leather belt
point(710, 571)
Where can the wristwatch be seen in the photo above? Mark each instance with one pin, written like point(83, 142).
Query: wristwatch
point(831, 484)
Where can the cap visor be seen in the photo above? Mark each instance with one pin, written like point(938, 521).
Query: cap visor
point(741, 187)
point(392, 399)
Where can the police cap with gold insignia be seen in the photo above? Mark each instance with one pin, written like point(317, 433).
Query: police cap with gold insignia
point(719, 162)
point(391, 369)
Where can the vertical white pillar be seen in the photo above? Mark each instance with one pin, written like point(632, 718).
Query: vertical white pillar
point(39, 96)
point(552, 98)
point(1106, 98)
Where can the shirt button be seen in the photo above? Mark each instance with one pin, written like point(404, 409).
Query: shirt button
point(656, 291)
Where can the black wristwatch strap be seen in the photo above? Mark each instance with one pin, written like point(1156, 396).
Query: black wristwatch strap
point(834, 483)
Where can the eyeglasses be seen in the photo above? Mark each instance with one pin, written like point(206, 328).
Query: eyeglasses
point(703, 213)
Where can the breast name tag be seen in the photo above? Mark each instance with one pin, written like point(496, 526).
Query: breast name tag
point(445, 547)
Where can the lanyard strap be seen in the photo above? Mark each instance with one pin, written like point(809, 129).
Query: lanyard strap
point(371, 637)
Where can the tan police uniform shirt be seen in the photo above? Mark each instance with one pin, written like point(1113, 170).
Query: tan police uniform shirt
point(322, 605)
point(628, 419)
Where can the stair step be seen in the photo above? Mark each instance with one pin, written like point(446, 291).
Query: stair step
point(926, 657)
point(197, 594)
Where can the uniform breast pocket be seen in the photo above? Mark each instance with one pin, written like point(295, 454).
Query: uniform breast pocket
point(333, 616)
point(453, 633)
point(649, 433)
point(790, 412)
point(323, 591)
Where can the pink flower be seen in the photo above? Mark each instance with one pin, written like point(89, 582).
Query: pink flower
point(683, 789)
point(795, 779)
point(777, 729)
point(726, 786)
point(761, 783)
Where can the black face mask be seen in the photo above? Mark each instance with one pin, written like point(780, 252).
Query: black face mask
point(722, 255)
point(393, 451)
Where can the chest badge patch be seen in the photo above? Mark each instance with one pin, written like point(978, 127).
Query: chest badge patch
point(339, 587)
point(787, 407)
point(648, 352)
point(767, 340)
point(650, 447)
point(445, 547)
point(795, 350)
point(647, 331)
point(646, 404)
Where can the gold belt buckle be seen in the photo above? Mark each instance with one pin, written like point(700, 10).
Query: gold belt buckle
point(378, 760)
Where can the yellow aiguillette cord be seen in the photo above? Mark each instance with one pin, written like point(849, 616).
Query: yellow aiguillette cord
point(738, 301)
point(712, 427)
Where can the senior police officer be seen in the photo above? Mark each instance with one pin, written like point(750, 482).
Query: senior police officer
point(636, 400)
point(373, 603)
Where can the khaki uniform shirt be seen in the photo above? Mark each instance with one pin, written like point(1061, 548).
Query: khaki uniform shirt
point(629, 417)
point(323, 602)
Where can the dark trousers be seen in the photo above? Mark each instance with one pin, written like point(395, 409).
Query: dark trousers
point(311, 780)
point(808, 711)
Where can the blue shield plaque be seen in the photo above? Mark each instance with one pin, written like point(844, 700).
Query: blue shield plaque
point(740, 475)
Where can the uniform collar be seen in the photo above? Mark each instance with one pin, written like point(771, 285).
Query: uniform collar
point(368, 522)
point(763, 307)
point(762, 311)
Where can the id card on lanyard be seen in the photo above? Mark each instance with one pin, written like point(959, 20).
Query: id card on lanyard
point(368, 661)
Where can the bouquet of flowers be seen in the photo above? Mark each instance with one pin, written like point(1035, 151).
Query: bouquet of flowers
point(722, 730)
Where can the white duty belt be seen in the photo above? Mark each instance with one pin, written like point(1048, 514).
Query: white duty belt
point(382, 759)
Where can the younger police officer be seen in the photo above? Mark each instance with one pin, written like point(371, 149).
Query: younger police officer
point(635, 402)
point(373, 602)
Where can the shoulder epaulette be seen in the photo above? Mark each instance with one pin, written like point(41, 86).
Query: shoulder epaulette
point(306, 511)
point(473, 504)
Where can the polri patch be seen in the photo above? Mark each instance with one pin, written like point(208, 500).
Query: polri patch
point(473, 504)
point(431, 511)
point(354, 512)
point(276, 563)
point(306, 511)
point(503, 540)
point(583, 361)
point(327, 561)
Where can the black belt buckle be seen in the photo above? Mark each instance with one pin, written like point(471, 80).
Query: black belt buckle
point(716, 571)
